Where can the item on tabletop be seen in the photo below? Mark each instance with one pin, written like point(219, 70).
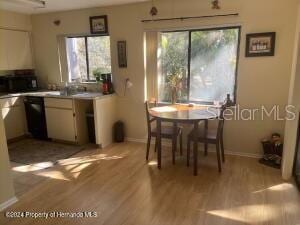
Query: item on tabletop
point(191, 104)
point(272, 151)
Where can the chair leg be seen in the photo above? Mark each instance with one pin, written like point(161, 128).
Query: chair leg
point(222, 149)
point(205, 134)
point(188, 152)
point(174, 147)
point(174, 142)
point(155, 146)
point(148, 147)
point(205, 148)
point(180, 143)
point(218, 157)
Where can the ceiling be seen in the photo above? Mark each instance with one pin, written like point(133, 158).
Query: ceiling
point(59, 5)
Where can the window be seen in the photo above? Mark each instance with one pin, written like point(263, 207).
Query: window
point(87, 54)
point(200, 64)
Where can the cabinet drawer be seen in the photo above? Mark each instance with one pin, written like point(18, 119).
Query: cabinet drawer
point(9, 102)
point(59, 103)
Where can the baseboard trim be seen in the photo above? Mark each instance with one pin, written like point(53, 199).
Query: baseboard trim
point(8, 203)
point(210, 149)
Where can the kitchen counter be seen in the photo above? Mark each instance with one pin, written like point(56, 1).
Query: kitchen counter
point(56, 94)
point(65, 115)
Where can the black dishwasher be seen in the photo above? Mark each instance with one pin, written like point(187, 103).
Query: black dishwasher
point(35, 115)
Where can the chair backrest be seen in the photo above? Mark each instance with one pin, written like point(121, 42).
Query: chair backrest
point(148, 116)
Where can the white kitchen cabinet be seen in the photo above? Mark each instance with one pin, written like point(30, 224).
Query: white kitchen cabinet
point(60, 124)
point(66, 120)
point(60, 119)
point(13, 115)
point(15, 50)
point(105, 117)
point(3, 50)
point(13, 122)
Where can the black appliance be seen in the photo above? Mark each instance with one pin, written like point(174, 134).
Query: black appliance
point(36, 118)
point(119, 134)
point(19, 81)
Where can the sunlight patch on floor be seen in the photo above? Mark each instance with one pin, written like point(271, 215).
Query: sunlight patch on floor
point(54, 174)
point(86, 159)
point(32, 167)
point(78, 169)
point(65, 169)
point(279, 187)
point(248, 213)
point(152, 163)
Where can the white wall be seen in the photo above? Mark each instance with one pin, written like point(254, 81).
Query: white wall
point(291, 127)
point(261, 81)
point(13, 21)
point(6, 184)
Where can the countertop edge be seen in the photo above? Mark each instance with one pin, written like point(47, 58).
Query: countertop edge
point(43, 94)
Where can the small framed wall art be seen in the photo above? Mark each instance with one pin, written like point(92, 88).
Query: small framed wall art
point(122, 54)
point(98, 25)
point(260, 44)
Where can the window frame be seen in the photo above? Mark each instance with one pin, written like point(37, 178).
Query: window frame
point(87, 54)
point(239, 27)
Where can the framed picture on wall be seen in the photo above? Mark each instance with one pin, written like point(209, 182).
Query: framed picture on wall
point(260, 44)
point(98, 25)
point(122, 54)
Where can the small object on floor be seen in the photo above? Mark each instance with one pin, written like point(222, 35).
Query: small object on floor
point(275, 164)
point(272, 151)
point(119, 134)
point(191, 104)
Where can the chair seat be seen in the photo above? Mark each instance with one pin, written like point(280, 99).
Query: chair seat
point(166, 131)
point(211, 135)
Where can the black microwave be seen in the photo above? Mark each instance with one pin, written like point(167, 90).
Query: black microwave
point(18, 83)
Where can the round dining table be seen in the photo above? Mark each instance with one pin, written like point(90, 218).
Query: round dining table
point(179, 113)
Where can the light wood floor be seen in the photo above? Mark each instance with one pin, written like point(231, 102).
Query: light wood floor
point(122, 188)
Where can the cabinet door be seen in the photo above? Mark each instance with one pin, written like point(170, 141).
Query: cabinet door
point(19, 54)
point(3, 50)
point(60, 124)
point(13, 121)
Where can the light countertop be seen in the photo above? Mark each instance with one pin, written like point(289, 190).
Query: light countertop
point(56, 94)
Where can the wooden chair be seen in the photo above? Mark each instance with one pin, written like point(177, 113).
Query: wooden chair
point(210, 137)
point(166, 132)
